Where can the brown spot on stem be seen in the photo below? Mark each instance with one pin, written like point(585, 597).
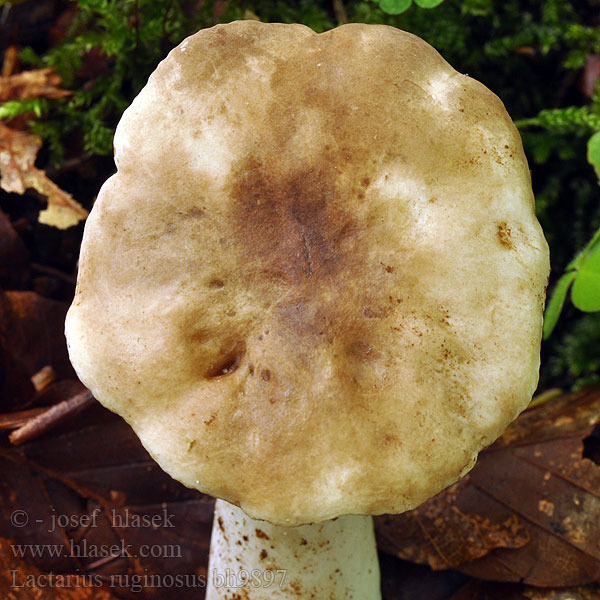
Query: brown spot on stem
point(504, 235)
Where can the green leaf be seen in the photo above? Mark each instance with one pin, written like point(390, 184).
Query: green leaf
point(594, 152)
point(395, 7)
point(556, 302)
point(428, 3)
point(586, 288)
point(592, 246)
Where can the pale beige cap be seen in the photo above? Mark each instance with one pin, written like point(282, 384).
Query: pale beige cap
point(315, 285)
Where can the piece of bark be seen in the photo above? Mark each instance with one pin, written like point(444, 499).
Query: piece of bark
point(43, 378)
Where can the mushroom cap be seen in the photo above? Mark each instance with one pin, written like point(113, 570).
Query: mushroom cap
point(315, 285)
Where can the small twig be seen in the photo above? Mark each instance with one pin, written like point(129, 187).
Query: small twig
point(5, 12)
point(11, 59)
point(103, 561)
point(14, 420)
point(51, 417)
point(340, 11)
point(545, 396)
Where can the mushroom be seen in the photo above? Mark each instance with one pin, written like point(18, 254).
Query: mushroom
point(314, 288)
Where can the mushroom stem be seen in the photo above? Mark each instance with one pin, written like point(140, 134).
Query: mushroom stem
point(256, 560)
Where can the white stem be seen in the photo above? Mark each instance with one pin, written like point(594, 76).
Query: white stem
point(255, 560)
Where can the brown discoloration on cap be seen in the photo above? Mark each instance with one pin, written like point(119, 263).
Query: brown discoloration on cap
point(296, 232)
point(353, 196)
point(296, 226)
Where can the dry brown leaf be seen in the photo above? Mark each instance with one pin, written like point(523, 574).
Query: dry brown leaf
point(41, 83)
point(536, 481)
point(91, 485)
point(26, 582)
point(578, 593)
point(14, 258)
point(453, 536)
point(18, 151)
point(31, 337)
point(481, 590)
